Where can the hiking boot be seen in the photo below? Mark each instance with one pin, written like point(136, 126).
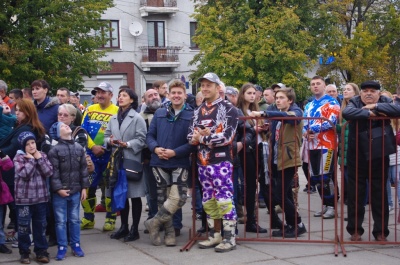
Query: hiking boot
point(229, 242)
point(4, 249)
point(25, 259)
point(330, 213)
point(87, 224)
point(43, 257)
point(76, 250)
point(62, 251)
point(321, 212)
point(214, 239)
point(109, 224)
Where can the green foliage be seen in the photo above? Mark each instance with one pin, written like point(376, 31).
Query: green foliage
point(52, 40)
point(263, 42)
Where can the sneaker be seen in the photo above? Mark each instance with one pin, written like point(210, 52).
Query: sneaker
point(109, 224)
point(146, 208)
point(62, 251)
point(4, 249)
point(14, 244)
point(25, 258)
point(330, 213)
point(311, 190)
point(391, 209)
point(278, 209)
point(11, 237)
point(100, 208)
point(87, 224)
point(322, 212)
point(43, 257)
point(77, 251)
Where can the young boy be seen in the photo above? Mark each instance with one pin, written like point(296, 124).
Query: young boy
point(69, 183)
point(31, 196)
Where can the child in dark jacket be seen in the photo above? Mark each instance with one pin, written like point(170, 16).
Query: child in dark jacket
point(31, 196)
point(7, 120)
point(69, 183)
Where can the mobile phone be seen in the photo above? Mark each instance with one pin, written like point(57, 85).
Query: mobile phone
point(115, 141)
point(201, 126)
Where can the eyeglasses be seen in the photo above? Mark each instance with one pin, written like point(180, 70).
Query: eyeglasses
point(65, 115)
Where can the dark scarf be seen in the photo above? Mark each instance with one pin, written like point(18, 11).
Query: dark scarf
point(121, 115)
point(171, 117)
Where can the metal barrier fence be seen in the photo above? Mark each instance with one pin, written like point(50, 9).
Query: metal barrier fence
point(319, 230)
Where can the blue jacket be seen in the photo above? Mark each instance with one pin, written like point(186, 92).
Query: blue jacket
point(48, 112)
point(170, 134)
point(7, 123)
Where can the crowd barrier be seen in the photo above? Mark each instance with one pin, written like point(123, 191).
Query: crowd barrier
point(319, 230)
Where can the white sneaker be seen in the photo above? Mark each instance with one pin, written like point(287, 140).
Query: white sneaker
point(391, 209)
point(330, 213)
point(321, 212)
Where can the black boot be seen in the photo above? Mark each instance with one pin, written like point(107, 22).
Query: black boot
point(122, 232)
point(133, 234)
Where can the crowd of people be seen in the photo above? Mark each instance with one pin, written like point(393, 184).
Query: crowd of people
point(55, 154)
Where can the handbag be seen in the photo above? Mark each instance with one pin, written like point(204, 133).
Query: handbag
point(134, 169)
point(5, 194)
point(119, 192)
point(379, 138)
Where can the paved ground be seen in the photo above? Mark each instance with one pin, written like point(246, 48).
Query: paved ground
point(100, 249)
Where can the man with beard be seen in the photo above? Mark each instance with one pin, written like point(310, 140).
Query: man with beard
point(152, 101)
point(95, 123)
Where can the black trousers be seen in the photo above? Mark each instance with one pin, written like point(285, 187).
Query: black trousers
point(357, 191)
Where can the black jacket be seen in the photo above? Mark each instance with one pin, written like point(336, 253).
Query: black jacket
point(356, 115)
point(69, 165)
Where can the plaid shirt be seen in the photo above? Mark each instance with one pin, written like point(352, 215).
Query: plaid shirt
point(30, 179)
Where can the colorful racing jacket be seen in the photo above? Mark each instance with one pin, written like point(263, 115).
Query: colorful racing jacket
point(222, 119)
point(325, 107)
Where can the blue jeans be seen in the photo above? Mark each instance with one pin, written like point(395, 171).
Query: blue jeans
point(37, 214)
point(2, 235)
point(177, 219)
point(67, 209)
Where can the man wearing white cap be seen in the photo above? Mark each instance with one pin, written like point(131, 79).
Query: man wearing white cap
point(95, 123)
point(212, 129)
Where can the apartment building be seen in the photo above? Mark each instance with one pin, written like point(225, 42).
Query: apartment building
point(150, 40)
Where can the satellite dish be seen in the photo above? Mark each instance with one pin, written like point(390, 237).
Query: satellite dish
point(135, 28)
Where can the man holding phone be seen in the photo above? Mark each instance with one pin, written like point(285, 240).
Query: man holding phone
point(212, 129)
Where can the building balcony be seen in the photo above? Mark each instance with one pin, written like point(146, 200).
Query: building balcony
point(157, 7)
point(159, 57)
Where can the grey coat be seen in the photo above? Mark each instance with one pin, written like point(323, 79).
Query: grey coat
point(133, 131)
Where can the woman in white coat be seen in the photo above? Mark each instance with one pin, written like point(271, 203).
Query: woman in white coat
point(127, 129)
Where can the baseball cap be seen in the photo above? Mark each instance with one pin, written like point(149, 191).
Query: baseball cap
point(258, 88)
point(371, 84)
point(230, 90)
point(278, 85)
point(105, 86)
point(211, 77)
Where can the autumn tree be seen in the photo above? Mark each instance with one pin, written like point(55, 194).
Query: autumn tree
point(53, 40)
point(367, 46)
point(263, 42)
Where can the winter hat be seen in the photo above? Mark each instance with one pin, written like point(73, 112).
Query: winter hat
point(54, 131)
point(25, 137)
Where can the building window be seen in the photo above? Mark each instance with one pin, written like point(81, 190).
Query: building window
point(193, 28)
point(156, 33)
point(110, 33)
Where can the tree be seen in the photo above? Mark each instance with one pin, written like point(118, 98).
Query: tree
point(53, 40)
point(367, 43)
point(263, 42)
